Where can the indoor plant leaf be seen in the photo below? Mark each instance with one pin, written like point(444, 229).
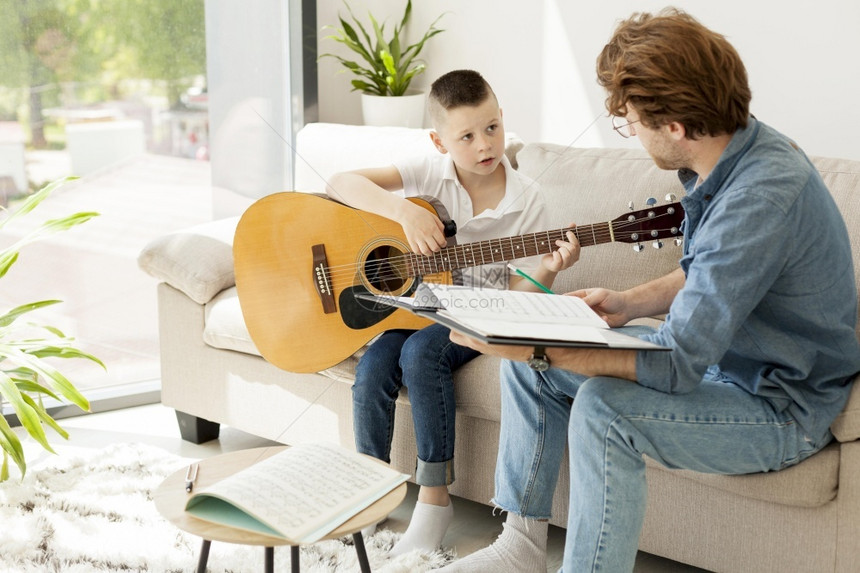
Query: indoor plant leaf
point(7, 259)
point(25, 375)
point(11, 447)
point(54, 377)
point(33, 200)
point(29, 386)
point(43, 415)
point(9, 255)
point(13, 314)
point(390, 63)
point(25, 413)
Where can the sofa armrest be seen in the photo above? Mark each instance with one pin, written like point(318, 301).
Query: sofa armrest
point(198, 261)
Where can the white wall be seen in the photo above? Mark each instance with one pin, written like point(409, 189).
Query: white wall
point(802, 60)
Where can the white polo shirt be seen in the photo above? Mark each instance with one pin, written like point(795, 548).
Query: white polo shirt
point(521, 210)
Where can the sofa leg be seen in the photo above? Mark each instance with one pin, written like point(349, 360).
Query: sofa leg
point(196, 430)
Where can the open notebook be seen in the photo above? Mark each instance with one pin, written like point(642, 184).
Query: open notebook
point(514, 317)
point(301, 494)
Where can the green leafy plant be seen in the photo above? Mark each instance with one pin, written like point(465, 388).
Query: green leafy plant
point(26, 372)
point(387, 67)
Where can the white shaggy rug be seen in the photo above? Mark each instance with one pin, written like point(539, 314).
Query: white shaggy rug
point(93, 512)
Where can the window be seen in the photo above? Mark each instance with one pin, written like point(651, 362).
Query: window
point(116, 93)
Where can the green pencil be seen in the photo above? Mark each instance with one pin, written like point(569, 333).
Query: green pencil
point(528, 278)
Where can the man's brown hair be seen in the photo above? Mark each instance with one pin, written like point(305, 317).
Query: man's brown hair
point(672, 68)
point(455, 89)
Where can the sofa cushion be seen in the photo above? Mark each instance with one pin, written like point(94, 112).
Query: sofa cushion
point(846, 427)
point(224, 326)
point(198, 260)
point(810, 484)
point(477, 390)
point(842, 177)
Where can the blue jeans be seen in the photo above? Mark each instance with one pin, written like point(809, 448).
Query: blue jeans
point(424, 361)
point(610, 424)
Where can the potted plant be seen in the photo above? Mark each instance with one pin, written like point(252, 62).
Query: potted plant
point(27, 374)
point(385, 69)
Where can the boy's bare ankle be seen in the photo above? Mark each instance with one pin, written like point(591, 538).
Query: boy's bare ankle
point(434, 495)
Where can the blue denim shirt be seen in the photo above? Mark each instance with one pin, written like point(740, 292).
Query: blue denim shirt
point(769, 301)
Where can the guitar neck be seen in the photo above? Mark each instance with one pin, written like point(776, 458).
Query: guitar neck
point(503, 249)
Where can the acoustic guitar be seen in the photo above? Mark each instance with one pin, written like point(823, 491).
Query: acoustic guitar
point(301, 258)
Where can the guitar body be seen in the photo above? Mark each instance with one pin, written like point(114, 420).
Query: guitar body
point(293, 325)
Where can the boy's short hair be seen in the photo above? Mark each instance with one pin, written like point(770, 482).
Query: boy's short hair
point(672, 68)
point(455, 89)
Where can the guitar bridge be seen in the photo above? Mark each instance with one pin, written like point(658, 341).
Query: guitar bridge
point(322, 279)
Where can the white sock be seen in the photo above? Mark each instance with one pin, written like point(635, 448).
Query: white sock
point(521, 547)
point(426, 528)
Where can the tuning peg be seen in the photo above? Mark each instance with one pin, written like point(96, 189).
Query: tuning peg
point(651, 201)
point(679, 241)
point(671, 198)
point(657, 244)
point(630, 205)
point(638, 247)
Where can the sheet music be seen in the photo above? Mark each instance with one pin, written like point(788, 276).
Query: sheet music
point(511, 306)
point(305, 491)
point(515, 317)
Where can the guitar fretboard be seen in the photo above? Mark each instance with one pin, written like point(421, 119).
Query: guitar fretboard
point(502, 250)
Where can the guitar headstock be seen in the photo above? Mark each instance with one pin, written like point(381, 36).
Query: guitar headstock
point(654, 223)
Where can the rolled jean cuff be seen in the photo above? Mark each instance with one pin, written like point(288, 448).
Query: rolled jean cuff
point(433, 474)
point(518, 510)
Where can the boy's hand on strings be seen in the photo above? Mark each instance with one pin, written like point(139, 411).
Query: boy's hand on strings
point(565, 256)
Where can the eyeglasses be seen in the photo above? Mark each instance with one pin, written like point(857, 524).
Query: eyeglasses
point(623, 129)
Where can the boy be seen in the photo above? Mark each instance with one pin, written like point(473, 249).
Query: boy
point(474, 182)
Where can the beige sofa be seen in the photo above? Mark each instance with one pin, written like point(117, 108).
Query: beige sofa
point(806, 518)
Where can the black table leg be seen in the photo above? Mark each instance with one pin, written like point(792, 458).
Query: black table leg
point(294, 558)
point(269, 561)
point(362, 552)
point(204, 556)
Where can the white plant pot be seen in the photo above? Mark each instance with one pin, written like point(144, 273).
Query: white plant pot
point(402, 111)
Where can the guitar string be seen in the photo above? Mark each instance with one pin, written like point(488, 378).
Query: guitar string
point(485, 249)
point(417, 262)
point(492, 243)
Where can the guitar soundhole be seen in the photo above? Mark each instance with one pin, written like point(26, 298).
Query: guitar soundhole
point(385, 269)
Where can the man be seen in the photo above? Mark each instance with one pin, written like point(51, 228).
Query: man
point(761, 318)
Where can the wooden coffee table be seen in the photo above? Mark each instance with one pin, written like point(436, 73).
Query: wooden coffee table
point(170, 498)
